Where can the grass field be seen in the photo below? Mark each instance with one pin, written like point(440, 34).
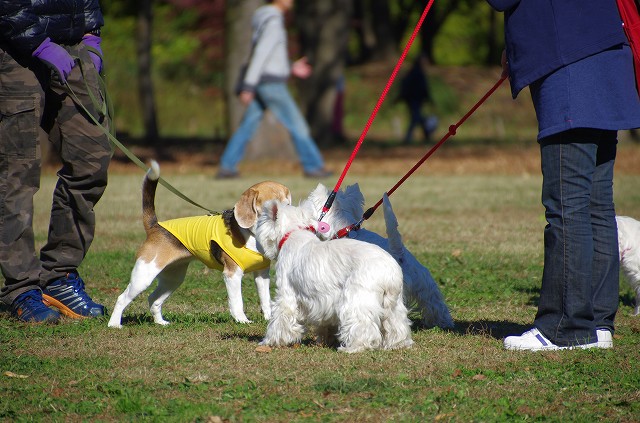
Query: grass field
point(474, 219)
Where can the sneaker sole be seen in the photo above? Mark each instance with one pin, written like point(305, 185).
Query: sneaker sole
point(555, 347)
point(534, 349)
point(52, 302)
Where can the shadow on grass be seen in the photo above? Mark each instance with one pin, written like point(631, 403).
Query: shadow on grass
point(628, 299)
point(532, 293)
point(179, 318)
point(490, 328)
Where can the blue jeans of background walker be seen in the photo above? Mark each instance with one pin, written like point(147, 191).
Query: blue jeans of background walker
point(581, 266)
point(276, 97)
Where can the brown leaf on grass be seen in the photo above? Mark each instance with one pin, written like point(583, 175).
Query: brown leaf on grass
point(444, 416)
point(197, 378)
point(456, 253)
point(457, 373)
point(479, 377)
point(263, 349)
point(11, 374)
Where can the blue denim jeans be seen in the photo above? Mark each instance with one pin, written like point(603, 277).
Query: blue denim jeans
point(276, 97)
point(581, 266)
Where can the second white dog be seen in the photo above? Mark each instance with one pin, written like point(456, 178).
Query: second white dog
point(420, 289)
point(344, 289)
point(629, 245)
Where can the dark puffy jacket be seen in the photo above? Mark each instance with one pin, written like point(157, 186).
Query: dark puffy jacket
point(24, 24)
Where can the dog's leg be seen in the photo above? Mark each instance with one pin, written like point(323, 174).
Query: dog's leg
point(420, 287)
point(396, 326)
point(284, 327)
point(359, 316)
point(233, 281)
point(168, 281)
point(142, 276)
point(418, 282)
point(262, 285)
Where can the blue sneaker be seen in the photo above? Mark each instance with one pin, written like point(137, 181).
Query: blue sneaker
point(67, 295)
point(29, 307)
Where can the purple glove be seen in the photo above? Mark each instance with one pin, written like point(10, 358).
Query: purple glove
point(94, 41)
point(55, 57)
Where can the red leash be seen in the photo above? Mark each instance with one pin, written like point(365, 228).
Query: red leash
point(332, 196)
point(452, 132)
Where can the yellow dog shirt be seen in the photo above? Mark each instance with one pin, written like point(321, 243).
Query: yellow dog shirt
point(196, 234)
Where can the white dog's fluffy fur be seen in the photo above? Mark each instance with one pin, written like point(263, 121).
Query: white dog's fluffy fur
point(420, 289)
point(629, 246)
point(341, 288)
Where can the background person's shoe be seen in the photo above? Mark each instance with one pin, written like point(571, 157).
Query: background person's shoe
point(533, 340)
point(67, 295)
point(28, 307)
point(227, 174)
point(320, 173)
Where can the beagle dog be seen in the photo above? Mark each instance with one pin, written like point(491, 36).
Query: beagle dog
point(224, 242)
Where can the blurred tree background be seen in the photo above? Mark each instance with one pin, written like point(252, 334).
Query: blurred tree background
point(171, 65)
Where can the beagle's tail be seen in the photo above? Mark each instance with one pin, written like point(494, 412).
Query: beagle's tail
point(149, 185)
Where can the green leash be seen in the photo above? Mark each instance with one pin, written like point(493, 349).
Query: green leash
point(107, 110)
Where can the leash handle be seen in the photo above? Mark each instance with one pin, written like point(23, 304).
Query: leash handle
point(416, 30)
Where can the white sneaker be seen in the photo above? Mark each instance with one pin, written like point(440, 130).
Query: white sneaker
point(533, 340)
point(605, 338)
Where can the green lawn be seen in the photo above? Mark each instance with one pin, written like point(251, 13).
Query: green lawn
point(479, 234)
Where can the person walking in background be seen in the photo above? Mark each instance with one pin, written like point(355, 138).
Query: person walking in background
point(415, 92)
point(46, 49)
point(264, 86)
point(575, 58)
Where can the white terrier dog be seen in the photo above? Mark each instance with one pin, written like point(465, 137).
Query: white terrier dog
point(420, 289)
point(344, 288)
point(629, 246)
point(224, 242)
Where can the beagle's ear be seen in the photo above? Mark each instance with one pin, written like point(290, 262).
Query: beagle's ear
point(245, 211)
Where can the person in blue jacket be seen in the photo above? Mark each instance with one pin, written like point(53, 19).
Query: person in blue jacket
point(575, 58)
point(49, 49)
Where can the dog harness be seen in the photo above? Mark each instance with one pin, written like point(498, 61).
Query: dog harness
point(196, 234)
